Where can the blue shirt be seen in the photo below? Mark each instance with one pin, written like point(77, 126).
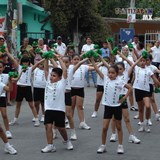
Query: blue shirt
point(105, 52)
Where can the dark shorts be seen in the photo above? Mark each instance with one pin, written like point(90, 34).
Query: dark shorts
point(3, 102)
point(124, 105)
point(77, 92)
point(151, 89)
point(157, 64)
point(38, 94)
point(56, 117)
point(109, 112)
point(140, 94)
point(100, 88)
point(24, 92)
point(68, 99)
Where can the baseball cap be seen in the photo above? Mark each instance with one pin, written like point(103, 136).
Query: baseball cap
point(59, 37)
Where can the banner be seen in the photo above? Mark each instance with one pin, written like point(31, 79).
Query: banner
point(2, 24)
point(131, 18)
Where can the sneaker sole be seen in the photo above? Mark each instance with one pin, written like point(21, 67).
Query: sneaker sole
point(101, 152)
point(49, 151)
point(134, 142)
point(113, 140)
point(120, 152)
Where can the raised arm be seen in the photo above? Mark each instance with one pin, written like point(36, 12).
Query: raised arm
point(55, 65)
point(46, 68)
point(79, 64)
point(96, 68)
point(13, 60)
point(63, 66)
point(35, 65)
point(104, 62)
point(125, 58)
point(133, 65)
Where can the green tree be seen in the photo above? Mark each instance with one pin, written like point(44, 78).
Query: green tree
point(67, 14)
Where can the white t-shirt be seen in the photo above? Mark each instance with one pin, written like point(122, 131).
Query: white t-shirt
point(4, 79)
point(104, 70)
point(61, 48)
point(25, 79)
point(2, 85)
point(39, 80)
point(155, 54)
point(78, 79)
point(54, 95)
point(112, 91)
point(142, 76)
point(69, 77)
point(153, 69)
point(86, 47)
point(124, 78)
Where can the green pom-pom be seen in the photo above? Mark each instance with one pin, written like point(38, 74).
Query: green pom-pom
point(130, 46)
point(38, 50)
point(96, 46)
point(96, 55)
point(54, 45)
point(24, 67)
point(13, 74)
point(99, 51)
point(110, 40)
point(114, 51)
point(48, 55)
point(34, 44)
point(2, 49)
point(19, 56)
point(84, 56)
point(145, 54)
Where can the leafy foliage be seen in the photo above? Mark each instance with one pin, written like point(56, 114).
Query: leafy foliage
point(67, 14)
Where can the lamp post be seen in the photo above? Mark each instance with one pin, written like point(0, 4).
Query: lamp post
point(132, 5)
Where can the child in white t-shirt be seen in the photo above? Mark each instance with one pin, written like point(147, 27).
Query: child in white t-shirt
point(24, 89)
point(111, 100)
point(123, 76)
point(39, 83)
point(8, 148)
point(104, 69)
point(77, 90)
point(142, 91)
point(155, 70)
point(54, 104)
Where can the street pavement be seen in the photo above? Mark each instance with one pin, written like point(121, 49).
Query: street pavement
point(29, 140)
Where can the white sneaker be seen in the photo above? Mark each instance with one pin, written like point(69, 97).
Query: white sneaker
point(42, 119)
point(101, 149)
point(94, 115)
point(68, 144)
point(147, 126)
point(83, 125)
point(120, 149)
point(134, 139)
point(133, 108)
point(141, 128)
point(8, 134)
point(73, 135)
point(36, 123)
point(9, 149)
point(67, 126)
point(136, 116)
point(139, 123)
point(159, 110)
point(13, 122)
point(49, 148)
point(157, 117)
point(149, 122)
point(113, 137)
point(33, 119)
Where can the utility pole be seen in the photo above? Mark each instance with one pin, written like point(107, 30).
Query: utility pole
point(132, 6)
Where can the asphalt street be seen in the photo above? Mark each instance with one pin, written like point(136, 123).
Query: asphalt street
point(29, 140)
